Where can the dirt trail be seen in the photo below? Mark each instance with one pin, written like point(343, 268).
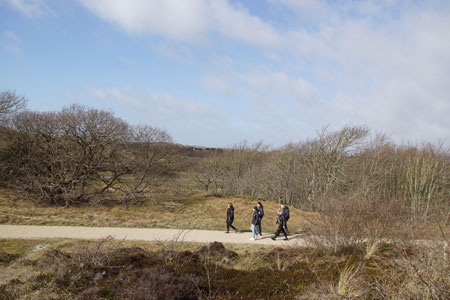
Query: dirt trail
point(142, 234)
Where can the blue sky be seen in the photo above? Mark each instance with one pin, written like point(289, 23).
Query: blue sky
point(217, 72)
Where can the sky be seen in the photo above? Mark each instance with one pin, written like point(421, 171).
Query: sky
point(217, 72)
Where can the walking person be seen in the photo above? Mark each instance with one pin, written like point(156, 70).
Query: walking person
point(254, 223)
point(285, 212)
point(260, 216)
point(230, 218)
point(281, 221)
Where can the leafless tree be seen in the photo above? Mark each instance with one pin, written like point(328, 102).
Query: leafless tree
point(79, 155)
point(149, 162)
point(210, 170)
point(10, 103)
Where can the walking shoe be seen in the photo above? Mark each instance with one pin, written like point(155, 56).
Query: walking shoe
point(236, 230)
point(226, 232)
point(273, 238)
point(286, 239)
point(251, 239)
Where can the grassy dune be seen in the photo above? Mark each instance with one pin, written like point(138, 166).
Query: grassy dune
point(200, 211)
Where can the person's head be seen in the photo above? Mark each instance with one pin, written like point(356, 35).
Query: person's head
point(279, 211)
point(230, 205)
point(282, 206)
point(259, 204)
point(255, 208)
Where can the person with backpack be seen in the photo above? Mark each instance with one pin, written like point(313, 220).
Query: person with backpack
point(230, 218)
point(281, 221)
point(254, 223)
point(260, 216)
point(285, 212)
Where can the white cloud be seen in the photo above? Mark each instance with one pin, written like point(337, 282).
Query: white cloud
point(97, 93)
point(12, 36)
point(176, 19)
point(274, 96)
point(217, 85)
point(237, 23)
point(270, 105)
point(185, 20)
point(278, 86)
point(12, 42)
point(28, 8)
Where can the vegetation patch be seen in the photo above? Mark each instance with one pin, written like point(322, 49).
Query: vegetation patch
point(111, 269)
point(7, 257)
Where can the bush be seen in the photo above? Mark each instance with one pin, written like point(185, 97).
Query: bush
point(159, 282)
point(348, 222)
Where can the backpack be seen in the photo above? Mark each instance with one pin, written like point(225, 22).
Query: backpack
point(261, 211)
point(286, 213)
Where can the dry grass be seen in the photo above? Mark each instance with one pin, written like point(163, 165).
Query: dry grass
point(344, 286)
point(253, 272)
point(200, 211)
point(371, 248)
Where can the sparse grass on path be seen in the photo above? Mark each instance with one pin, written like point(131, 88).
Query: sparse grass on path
point(192, 212)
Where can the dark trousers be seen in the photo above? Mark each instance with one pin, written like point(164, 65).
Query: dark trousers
point(280, 229)
point(285, 227)
point(258, 226)
point(230, 224)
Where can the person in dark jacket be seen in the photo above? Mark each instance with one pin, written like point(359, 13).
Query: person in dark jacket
point(285, 211)
point(254, 223)
point(230, 218)
point(260, 216)
point(281, 221)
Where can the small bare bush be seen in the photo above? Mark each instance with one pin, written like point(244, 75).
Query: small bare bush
point(171, 250)
point(347, 222)
point(157, 283)
point(422, 273)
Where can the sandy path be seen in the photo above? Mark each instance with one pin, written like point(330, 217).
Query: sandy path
point(142, 234)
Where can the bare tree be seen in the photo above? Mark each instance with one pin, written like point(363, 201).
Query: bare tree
point(10, 103)
point(79, 155)
point(210, 170)
point(148, 161)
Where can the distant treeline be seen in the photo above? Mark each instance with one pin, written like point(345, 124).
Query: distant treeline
point(348, 163)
